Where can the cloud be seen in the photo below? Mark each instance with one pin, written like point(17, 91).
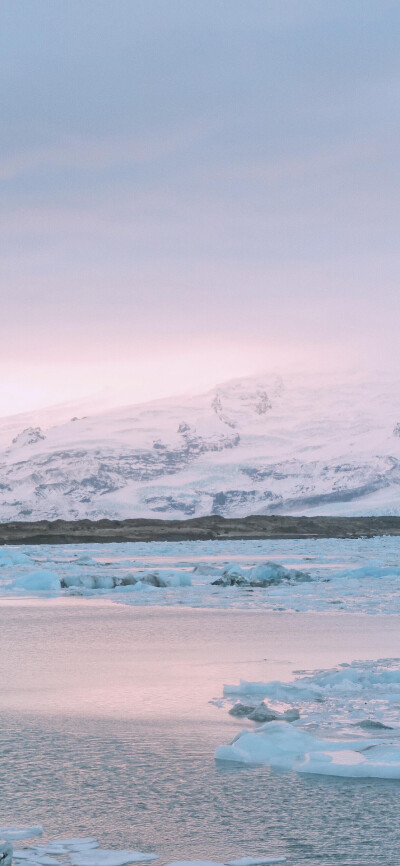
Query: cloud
point(223, 170)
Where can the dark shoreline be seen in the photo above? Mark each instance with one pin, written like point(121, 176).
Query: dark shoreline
point(197, 529)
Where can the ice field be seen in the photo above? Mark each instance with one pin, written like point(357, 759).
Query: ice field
point(357, 575)
point(345, 722)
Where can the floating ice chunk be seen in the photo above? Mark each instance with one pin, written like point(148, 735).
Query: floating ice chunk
point(6, 852)
point(179, 578)
point(78, 843)
point(164, 577)
point(202, 568)
point(141, 585)
point(38, 855)
point(25, 862)
point(233, 569)
point(269, 573)
point(104, 857)
point(255, 861)
point(9, 557)
point(21, 832)
point(86, 581)
point(261, 713)
point(44, 860)
point(276, 690)
point(263, 575)
point(73, 578)
point(282, 746)
point(232, 575)
point(103, 582)
point(153, 579)
point(37, 581)
point(242, 711)
point(274, 743)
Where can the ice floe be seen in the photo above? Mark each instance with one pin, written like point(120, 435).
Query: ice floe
point(6, 852)
point(262, 713)
point(263, 575)
point(75, 844)
point(85, 852)
point(40, 580)
point(329, 705)
point(282, 746)
point(294, 575)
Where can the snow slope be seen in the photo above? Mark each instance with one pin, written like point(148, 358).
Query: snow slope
point(257, 445)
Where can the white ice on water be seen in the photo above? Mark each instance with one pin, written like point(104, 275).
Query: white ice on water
point(85, 852)
point(6, 852)
point(75, 844)
point(349, 722)
point(356, 575)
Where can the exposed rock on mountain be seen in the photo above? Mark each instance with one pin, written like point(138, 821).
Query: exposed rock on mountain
point(257, 445)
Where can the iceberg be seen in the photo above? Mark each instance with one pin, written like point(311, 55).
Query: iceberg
point(269, 573)
point(38, 581)
point(263, 575)
point(11, 556)
point(262, 713)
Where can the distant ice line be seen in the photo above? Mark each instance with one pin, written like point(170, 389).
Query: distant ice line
point(305, 575)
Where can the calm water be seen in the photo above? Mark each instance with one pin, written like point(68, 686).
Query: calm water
point(106, 729)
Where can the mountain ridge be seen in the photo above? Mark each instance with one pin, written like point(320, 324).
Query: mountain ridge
point(259, 445)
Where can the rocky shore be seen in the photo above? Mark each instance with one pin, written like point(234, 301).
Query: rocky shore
point(201, 528)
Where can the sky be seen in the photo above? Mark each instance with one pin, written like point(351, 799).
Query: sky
point(192, 191)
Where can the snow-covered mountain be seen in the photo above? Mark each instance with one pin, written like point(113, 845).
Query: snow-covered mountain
point(257, 445)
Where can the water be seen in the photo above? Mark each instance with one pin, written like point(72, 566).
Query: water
point(332, 564)
point(106, 729)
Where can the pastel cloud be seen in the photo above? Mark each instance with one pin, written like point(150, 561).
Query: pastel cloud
point(183, 171)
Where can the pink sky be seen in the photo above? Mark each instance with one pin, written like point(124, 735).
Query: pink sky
point(192, 192)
